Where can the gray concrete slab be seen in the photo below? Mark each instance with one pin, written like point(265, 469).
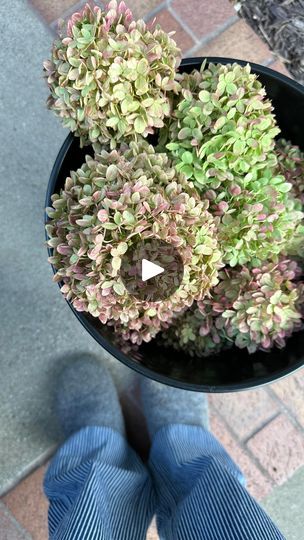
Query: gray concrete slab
point(10, 528)
point(37, 328)
point(285, 506)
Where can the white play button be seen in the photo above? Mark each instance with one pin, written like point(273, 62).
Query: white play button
point(150, 270)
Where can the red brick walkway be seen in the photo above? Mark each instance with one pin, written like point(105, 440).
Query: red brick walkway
point(261, 429)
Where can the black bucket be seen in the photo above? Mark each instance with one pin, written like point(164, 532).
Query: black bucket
point(234, 369)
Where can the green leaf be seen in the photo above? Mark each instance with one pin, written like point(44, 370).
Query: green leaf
point(231, 88)
point(221, 87)
point(74, 258)
point(119, 94)
point(116, 263)
point(140, 124)
point(112, 122)
point(239, 147)
point(264, 124)
point(135, 197)
point(111, 173)
point(122, 248)
point(231, 113)
point(221, 121)
point(128, 217)
point(109, 226)
point(257, 104)
point(94, 133)
point(197, 134)
point(199, 176)
point(187, 158)
point(275, 298)
point(187, 171)
point(125, 104)
point(204, 96)
point(284, 187)
point(141, 84)
point(134, 105)
point(195, 111)
point(119, 288)
point(147, 102)
point(85, 221)
point(107, 284)
point(229, 77)
point(142, 66)
point(173, 146)
point(75, 62)
point(118, 218)
point(156, 110)
point(115, 45)
point(233, 261)
point(206, 250)
point(80, 115)
point(114, 72)
point(184, 133)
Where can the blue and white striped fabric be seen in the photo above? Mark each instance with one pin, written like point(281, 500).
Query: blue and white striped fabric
point(99, 489)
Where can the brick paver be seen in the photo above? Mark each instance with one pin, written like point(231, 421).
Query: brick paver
point(29, 505)
point(245, 412)
point(141, 8)
point(9, 528)
point(240, 42)
point(169, 23)
point(50, 11)
point(258, 484)
point(291, 394)
point(201, 16)
point(279, 447)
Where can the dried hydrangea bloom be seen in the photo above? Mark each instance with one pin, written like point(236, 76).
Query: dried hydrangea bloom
point(259, 220)
point(222, 137)
point(198, 333)
point(110, 76)
point(106, 205)
point(222, 126)
point(291, 165)
point(260, 307)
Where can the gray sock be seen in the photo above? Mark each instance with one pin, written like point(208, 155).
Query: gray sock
point(86, 396)
point(165, 405)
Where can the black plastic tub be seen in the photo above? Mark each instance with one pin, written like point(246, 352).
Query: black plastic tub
point(235, 369)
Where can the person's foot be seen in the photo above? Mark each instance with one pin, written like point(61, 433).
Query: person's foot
point(86, 396)
point(165, 405)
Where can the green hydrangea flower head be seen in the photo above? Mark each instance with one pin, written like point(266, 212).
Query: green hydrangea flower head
point(222, 137)
point(222, 126)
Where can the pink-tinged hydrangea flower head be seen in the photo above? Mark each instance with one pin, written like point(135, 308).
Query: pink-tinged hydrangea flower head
point(111, 77)
point(111, 201)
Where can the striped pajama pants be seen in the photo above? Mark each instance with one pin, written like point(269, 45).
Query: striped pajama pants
point(99, 489)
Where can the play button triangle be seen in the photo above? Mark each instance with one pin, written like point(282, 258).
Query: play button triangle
point(150, 269)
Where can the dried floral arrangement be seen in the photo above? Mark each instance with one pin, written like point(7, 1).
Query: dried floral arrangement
point(218, 185)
